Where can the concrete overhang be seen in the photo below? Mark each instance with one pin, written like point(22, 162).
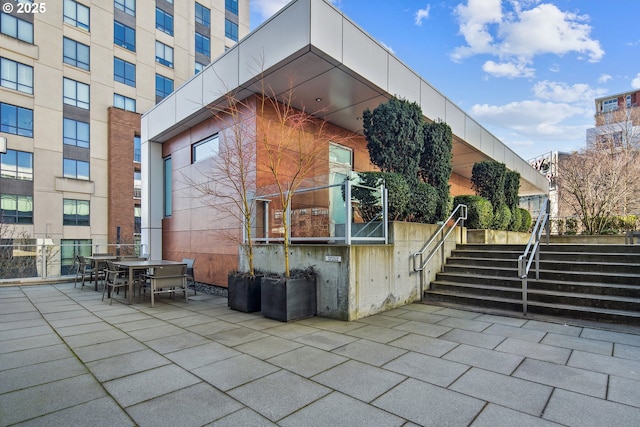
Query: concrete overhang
point(334, 68)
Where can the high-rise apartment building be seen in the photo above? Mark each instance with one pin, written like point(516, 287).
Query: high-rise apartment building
point(76, 75)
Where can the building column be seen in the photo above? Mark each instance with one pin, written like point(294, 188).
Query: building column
point(152, 210)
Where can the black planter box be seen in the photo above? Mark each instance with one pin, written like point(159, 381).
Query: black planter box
point(244, 293)
point(289, 299)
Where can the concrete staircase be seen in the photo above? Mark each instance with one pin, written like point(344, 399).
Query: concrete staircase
point(588, 282)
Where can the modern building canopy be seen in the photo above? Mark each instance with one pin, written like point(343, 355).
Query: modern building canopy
point(335, 68)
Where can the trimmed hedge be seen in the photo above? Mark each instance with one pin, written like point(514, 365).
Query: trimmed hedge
point(501, 217)
point(479, 211)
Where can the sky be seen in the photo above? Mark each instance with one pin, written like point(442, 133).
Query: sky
point(528, 71)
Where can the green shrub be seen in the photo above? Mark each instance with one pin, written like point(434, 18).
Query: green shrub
point(572, 226)
point(501, 217)
point(525, 222)
point(423, 204)
point(479, 211)
point(516, 219)
point(397, 187)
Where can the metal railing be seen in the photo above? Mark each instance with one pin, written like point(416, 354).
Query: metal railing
point(532, 252)
point(419, 261)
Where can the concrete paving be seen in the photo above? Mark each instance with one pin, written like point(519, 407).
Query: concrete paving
point(69, 359)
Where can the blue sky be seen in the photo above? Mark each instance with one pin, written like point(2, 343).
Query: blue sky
point(527, 70)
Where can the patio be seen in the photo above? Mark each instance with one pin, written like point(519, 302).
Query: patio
point(67, 358)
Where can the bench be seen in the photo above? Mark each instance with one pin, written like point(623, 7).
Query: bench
point(629, 238)
point(168, 279)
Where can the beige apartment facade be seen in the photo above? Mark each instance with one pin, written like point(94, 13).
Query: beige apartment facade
point(76, 76)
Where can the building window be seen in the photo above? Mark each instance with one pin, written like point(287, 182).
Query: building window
point(164, 54)
point(164, 21)
point(16, 209)
point(137, 220)
point(16, 76)
point(137, 184)
point(75, 212)
point(76, 93)
point(124, 72)
point(69, 250)
point(75, 133)
point(137, 152)
point(627, 101)
point(124, 103)
point(164, 86)
point(203, 15)
point(76, 54)
point(124, 36)
point(203, 45)
point(231, 6)
point(609, 105)
point(76, 14)
point(231, 30)
point(16, 28)
point(127, 6)
point(168, 186)
point(16, 165)
point(16, 120)
point(76, 169)
point(199, 67)
point(204, 149)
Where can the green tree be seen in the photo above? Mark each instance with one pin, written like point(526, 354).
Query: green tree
point(511, 189)
point(487, 180)
point(369, 202)
point(394, 133)
point(436, 166)
point(423, 203)
point(479, 211)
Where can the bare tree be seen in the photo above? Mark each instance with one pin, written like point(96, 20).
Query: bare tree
point(17, 252)
point(598, 184)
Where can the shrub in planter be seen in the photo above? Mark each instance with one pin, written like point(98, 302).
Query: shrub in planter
point(525, 224)
point(501, 217)
point(244, 291)
point(516, 219)
point(289, 298)
point(423, 204)
point(479, 211)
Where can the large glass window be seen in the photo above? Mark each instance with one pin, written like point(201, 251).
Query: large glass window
point(199, 67)
point(16, 76)
point(76, 169)
point(137, 184)
point(168, 186)
point(124, 36)
point(76, 93)
point(164, 54)
point(16, 28)
point(76, 54)
point(231, 30)
point(124, 72)
point(76, 133)
point(16, 209)
point(127, 6)
point(164, 21)
point(69, 249)
point(203, 15)
point(16, 120)
point(231, 6)
point(75, 212)
point(16, 165)
point(164, 86)
point(137, 220)
point(203, 44)
point(204, 149)
point(76, 14)
point(124, 102)
point(610, 104)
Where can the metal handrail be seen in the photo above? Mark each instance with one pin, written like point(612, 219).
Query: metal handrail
point(420, 254)
point(532, 251)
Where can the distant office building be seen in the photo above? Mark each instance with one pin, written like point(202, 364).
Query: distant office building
point(75, 78)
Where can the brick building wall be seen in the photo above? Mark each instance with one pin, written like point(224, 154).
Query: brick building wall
point(123, 126)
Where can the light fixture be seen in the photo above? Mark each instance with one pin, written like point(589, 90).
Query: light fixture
point(318, 99)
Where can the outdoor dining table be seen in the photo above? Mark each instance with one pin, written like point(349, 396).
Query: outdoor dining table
point(96, 261)
point(134, 265)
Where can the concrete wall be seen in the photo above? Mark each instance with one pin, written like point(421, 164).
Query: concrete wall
point(361, 280)
point(497, 237)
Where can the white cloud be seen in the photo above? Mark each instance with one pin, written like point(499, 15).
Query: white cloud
point(518, 35)
point(507, 69)
point(635, 83)
point(422, 14)
point(579, 93)
point(604, 78)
